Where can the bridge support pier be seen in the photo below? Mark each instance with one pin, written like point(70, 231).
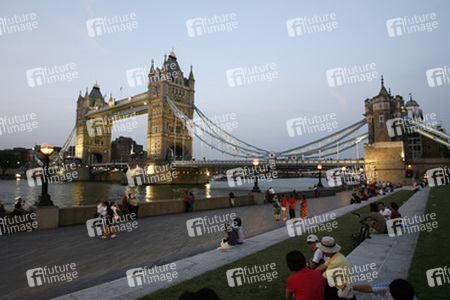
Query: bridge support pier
point(385, 161)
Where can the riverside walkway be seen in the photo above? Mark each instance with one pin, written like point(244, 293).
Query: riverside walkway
point(157, 240)
point(193, 266)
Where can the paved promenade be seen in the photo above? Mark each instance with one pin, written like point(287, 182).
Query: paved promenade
point(156, 241)
point(392, 255)
point(191, 267)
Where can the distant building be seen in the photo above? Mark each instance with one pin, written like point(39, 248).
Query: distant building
point(24, 155)
point(125, 149)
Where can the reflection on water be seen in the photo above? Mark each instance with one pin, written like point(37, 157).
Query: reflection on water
point(86, 193)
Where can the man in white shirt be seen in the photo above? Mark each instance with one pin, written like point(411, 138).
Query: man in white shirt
point(318, 257)
point(386, 212)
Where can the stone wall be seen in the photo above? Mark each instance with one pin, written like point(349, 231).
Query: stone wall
point(387, 160)
point(79, 215)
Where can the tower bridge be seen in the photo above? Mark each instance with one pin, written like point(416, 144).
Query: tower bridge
point(398, 153)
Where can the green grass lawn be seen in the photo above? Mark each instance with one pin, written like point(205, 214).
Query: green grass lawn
point(216, 279)
point(431, 250)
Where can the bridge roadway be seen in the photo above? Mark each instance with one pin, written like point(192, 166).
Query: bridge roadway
point(157, 240)
point(279, 164)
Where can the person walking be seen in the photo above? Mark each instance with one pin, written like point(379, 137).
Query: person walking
point(283, 206)
point(186, 202)
point(115, 210)
point(134, 206)
point(303, 207)
point(2, 213)
point(191, 201)
point(126, 207)
point(2, 209)
point(232, 198)
point(277, 206)
point(109, 221)
point(292, 203)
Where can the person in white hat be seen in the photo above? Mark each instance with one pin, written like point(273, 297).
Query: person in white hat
point(318, 257)
point(336, 270)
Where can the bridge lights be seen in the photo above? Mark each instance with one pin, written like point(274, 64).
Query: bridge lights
point(256, 189)
point(409, 171)
point(319, 167)
point(44, 198)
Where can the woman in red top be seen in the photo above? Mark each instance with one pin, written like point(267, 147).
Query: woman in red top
point(292, 207)
point(283, 206)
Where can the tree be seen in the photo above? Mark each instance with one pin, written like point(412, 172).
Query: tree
point(7, 160)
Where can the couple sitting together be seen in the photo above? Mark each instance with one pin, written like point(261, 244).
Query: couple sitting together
point(234, 234)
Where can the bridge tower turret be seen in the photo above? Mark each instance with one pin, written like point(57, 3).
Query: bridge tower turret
point(385, 150)
point(167, 137)
point(93, 136)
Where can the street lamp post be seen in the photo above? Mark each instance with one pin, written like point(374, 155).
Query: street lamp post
point(256, 187)
point(44, 199)
point(319, 167)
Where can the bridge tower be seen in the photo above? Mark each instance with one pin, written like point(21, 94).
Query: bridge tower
point(167, 137)
point(384, 152)
point(93, 136)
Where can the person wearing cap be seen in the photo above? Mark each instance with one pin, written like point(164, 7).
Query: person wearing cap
point(318, 257)
point(331, 249)
point(305, 284)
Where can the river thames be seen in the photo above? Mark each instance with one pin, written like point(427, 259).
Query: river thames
point(87, 193)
